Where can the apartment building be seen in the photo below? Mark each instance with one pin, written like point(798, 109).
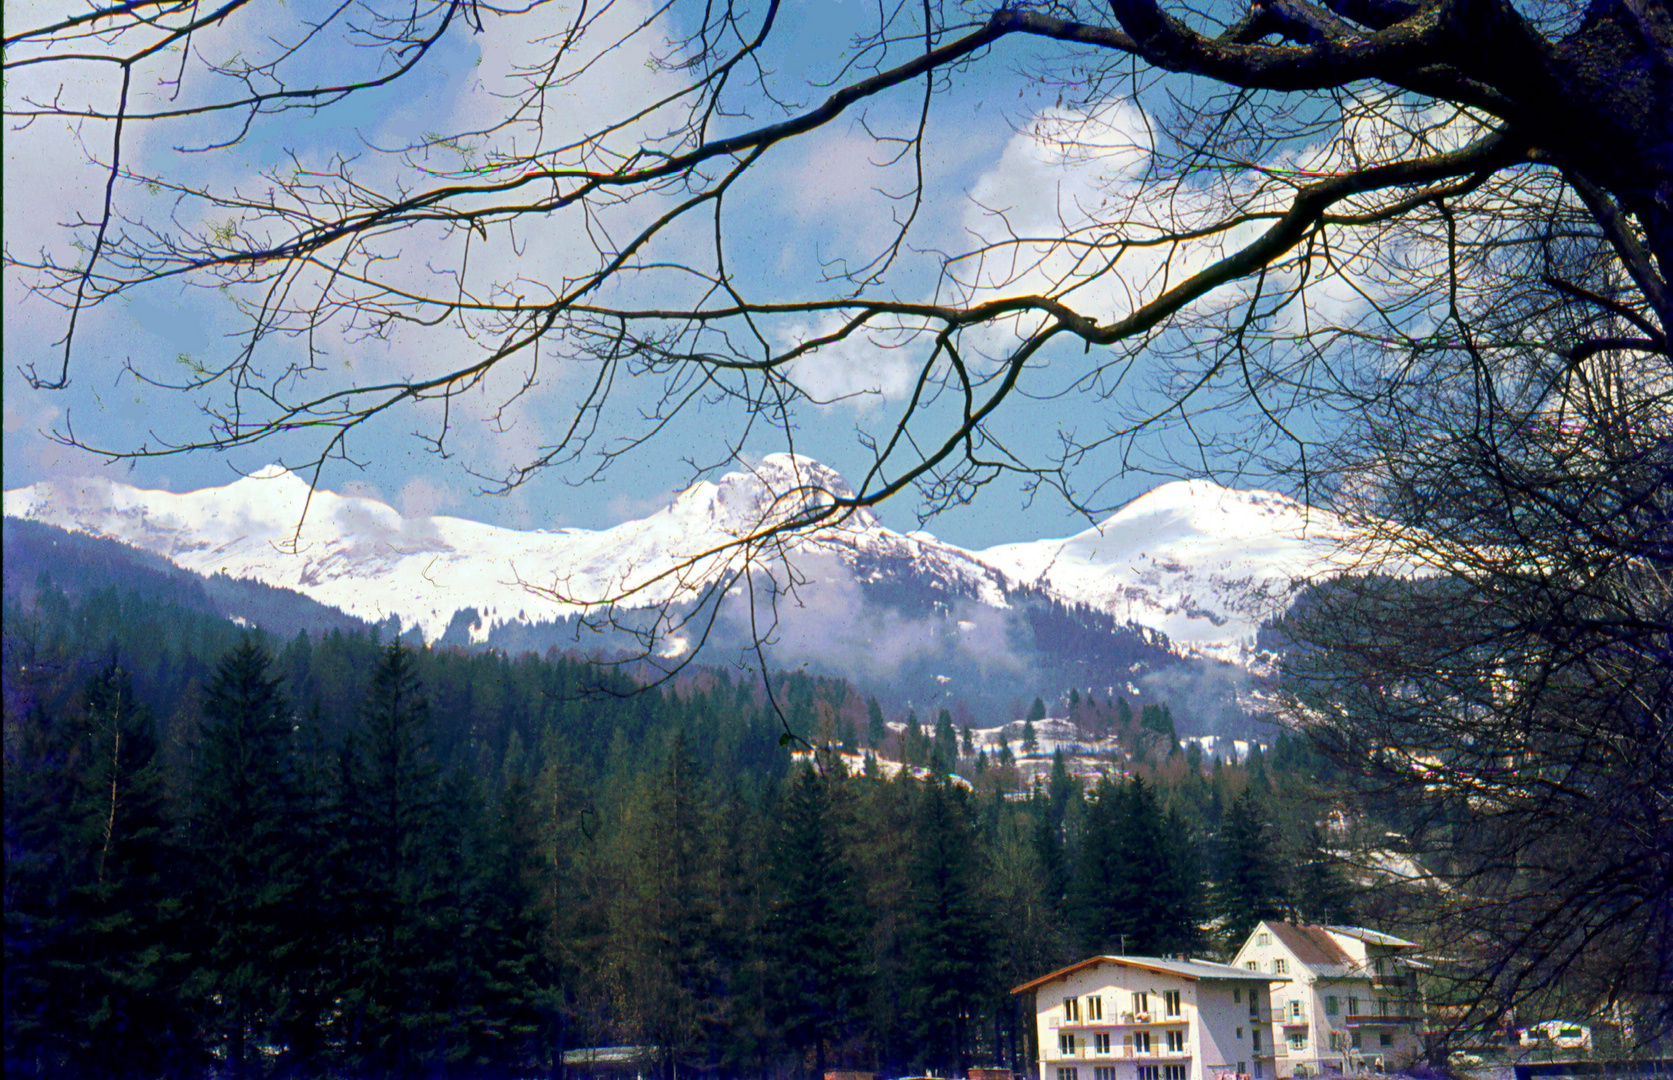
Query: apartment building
point(1148, 1018)
point(1351, 1003)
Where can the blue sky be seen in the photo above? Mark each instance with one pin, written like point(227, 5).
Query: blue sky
point(810, 201)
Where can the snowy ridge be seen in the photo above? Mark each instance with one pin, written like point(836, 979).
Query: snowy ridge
point(1203, 564)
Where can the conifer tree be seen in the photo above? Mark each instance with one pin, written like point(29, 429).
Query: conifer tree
point(35, 794)
point(506, 979)
point(246, 801)
point(912, 749)
point(664, 968)
point(1249, 886)
point(1177, 888)
point(876, 728)
point(948, 955)
point(944, 752)
point(1321, 894)
point(391, 872)
point(98, 968)
point(1106, 891)
point(815, 918)
point(1030, 742)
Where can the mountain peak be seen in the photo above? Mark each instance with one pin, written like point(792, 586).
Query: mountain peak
point(1203, 564)
point(770, 492)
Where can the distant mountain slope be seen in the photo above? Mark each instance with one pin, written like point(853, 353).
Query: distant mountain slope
point(1141, 605)
point(362, 557)
point(78, 564)
point(1203, 564)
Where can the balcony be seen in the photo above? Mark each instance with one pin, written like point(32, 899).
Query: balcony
point(1295, 1022)
point(1120, 1020)
point(1380, 1020)
point(1401, 981)
point(1119, 1053)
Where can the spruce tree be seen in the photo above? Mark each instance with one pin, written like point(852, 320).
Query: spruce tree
point(1105, 888)
point(944, 752)
point(666, 970)
point(1177, 888)
point(506, 980)
point(1050, 835)
point(1249, 886)
point(391, 872)
point(1321, 893)
point(246, 800)
point(816, 935)
point(911, 745)
point(95, 989)
point(948, 955)
point(876, 728)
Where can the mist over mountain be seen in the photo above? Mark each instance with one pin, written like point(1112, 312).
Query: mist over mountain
point(1162, 601)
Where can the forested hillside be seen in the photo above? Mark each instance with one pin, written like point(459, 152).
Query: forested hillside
point(228, 854)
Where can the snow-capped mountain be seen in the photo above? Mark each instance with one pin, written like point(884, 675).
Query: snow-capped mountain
point(1202, 564)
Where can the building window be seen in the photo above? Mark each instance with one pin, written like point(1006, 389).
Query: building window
point(1066, 1074)
point(1170, 1002)
point(1071, 1009)
point(1280, 966)
point(1149, 1072)
point(1104, 1072)
point(1255, 1034)
point(1094, 1008)
point(1263, 938)
point(1237, 994)
point(1386, 1038)
point(1357, 1045)
point(1298, 1040)
point(1295, 1009)
point(1176, 1042)
point(1141, 1003)
point(1242, 1067)
point(1240, 1033)
point(1257, 1072)
point(1173, 1072)
point(1254, 1006)
point(1251, 965)
point(1141, 1042)
point(1066, 1044)
point(1330, 1006)
point(1353, 1006)
point(1101, 1043)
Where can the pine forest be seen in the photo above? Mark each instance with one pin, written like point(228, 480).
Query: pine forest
point(233, 855)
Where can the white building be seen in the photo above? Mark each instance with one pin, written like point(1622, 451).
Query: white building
point(1352, 1003)
point(1144, 1018)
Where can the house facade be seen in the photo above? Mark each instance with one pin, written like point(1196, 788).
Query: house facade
point(1351, 1003)
point(1148, 1018)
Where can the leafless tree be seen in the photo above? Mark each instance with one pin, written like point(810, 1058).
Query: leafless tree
point(1412, 256)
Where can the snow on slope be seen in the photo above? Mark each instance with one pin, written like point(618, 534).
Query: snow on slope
point(363, 557)
point(1201, 563)
point(1204, 564)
